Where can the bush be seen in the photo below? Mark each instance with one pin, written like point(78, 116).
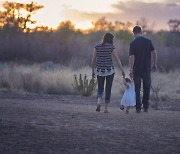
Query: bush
point(83, 86)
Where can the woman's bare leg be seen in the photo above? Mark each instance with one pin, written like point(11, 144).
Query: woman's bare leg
point(98, 104)
point(106, 108)
point(99, 100)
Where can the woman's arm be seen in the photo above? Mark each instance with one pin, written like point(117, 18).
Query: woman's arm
point(118, 62)
point(93, 62)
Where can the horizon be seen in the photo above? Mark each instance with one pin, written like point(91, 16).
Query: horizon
point(82, 13)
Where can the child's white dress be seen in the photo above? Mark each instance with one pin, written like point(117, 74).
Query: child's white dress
point(129, 97)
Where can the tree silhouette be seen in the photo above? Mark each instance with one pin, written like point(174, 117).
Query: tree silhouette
point(102, 25)
point(13, 20)
point(143, 23)
point(66, 26)
point(174, 25)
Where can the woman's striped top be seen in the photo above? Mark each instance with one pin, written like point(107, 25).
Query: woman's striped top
point(104, 63)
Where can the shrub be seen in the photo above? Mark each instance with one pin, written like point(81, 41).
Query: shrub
point(83, 86)
point(156, 87)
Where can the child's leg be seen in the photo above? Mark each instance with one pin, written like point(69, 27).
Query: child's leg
point(122, 107)
point(127, 109)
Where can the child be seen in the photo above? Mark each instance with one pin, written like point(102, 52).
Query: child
point(128, 98)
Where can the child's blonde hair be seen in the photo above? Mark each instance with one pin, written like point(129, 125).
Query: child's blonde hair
point(128, 80)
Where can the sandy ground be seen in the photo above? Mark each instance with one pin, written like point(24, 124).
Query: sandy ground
point(69, 124)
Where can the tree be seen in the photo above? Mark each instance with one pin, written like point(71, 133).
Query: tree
point(102, 25)
point(143, 23)
point(42, 29)
point(66, 27)
point(174, 25)
point(118, 26)
point(12, 18)
point(31, 9)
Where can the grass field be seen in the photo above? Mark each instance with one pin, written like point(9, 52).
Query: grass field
point(55, 79)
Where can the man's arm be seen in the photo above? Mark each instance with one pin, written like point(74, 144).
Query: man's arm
point(131, 61)
point(131, 64)
point(154, 60)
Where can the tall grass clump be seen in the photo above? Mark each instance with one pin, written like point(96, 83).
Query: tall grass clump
point(35, 78)
point(84, 86)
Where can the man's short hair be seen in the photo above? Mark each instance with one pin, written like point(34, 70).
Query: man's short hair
point(137, 29)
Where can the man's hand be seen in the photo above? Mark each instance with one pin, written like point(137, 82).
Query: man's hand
point(131, 64)
point(154, 67)
point(131, 73)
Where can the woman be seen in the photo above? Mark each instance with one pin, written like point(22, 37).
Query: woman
point(102, 66)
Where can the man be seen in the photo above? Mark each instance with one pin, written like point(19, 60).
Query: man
point(140, 52)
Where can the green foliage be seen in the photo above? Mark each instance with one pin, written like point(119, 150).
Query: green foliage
point(83, 86)
point(124, 35)
point(167, 38)
point(11, 18)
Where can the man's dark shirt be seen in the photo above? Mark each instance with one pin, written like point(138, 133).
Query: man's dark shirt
point(141, 48)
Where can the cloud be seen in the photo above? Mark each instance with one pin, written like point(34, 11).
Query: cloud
point(173, 1)
point(158, 13)
point(172, 4)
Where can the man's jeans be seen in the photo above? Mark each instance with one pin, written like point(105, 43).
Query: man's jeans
point(109, 81)
point(146, 78)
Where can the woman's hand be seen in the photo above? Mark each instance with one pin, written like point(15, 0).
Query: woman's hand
point(131, 73)
point(93, 74)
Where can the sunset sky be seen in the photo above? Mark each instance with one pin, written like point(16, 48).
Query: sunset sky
point(83, 12)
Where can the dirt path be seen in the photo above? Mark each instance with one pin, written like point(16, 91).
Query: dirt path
point(64, 126)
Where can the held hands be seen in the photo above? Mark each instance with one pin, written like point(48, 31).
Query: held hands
point(93, 74)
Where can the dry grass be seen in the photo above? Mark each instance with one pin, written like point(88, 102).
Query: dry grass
point(35, 78)
point(168, 84)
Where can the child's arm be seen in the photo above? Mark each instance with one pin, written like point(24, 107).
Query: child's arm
point(125, 83)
